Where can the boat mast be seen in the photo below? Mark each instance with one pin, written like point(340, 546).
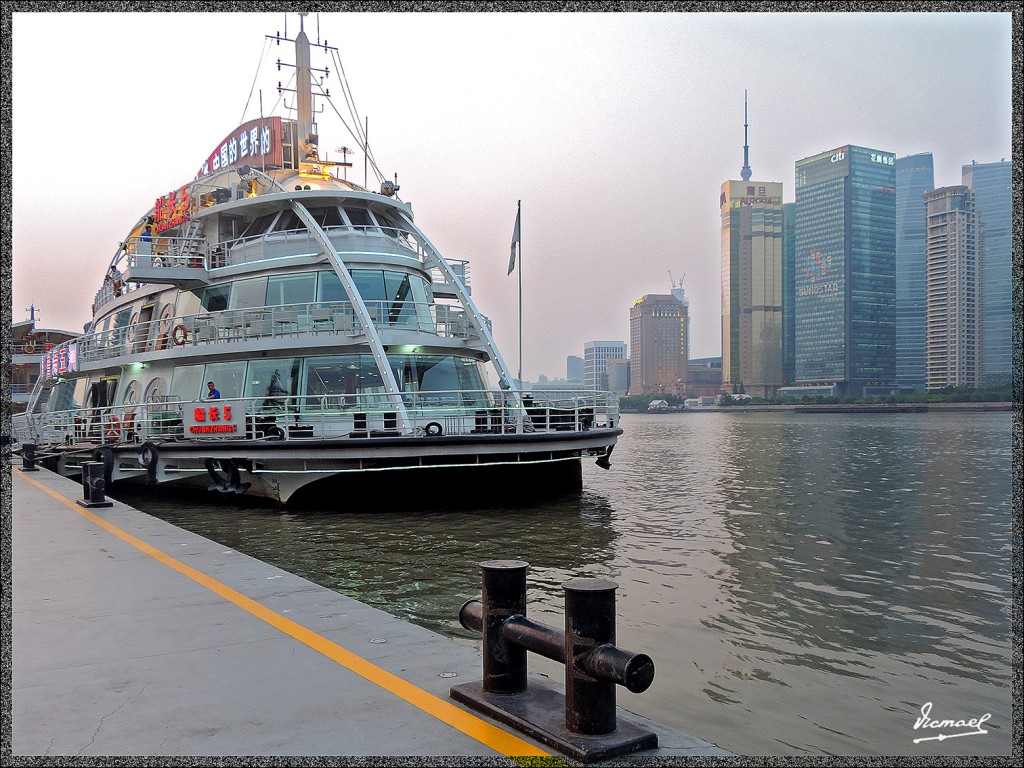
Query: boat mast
point(308, 140)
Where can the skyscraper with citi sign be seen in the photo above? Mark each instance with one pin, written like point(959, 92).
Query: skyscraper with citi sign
point(845, 273)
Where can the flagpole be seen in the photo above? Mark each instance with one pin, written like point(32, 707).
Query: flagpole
point(519, 210)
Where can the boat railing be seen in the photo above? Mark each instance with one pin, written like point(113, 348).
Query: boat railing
point(324, 416)
point(160, 251)
point(296, 320)
point(301, 242)
point(113, 287)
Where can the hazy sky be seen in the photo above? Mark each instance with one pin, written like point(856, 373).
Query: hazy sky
point(615, 130)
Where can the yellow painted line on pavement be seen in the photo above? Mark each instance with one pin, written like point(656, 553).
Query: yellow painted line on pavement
point(469, 724)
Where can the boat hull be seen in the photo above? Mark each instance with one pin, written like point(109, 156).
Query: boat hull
point(350, 473)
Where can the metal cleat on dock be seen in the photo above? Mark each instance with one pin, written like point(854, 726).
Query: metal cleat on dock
point(582, 724)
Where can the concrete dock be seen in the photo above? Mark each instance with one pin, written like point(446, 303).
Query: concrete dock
point(134, 637)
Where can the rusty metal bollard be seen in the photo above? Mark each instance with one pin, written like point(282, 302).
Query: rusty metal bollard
point(583, 723)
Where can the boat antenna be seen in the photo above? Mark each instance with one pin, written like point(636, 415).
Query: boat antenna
point(366, 142)
point(745, 173)
point(32, 312)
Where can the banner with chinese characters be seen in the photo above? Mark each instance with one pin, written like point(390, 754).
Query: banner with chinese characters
point(172, 209)
point(59, 361)
point(257, 143)
point(214, 419)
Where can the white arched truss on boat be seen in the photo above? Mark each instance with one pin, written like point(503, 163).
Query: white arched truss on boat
point(359, 306)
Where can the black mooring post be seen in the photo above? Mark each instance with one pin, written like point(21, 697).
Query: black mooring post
point(94, 485)
point(589, 623)
point(504, 595)
point(28, 457)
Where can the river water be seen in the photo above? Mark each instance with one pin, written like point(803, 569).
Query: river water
point(805, 583)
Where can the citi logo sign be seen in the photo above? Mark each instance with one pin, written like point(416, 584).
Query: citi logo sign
point(838, 155)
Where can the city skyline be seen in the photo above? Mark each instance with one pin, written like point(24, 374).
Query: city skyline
point(617, 152)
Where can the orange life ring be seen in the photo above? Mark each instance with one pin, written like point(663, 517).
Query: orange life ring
point(114, 429)
point(28, 349)
point(179, 334)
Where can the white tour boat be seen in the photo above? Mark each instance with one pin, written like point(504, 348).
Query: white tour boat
point(346, 350)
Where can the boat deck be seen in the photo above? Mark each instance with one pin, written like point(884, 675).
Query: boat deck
point(134, 637)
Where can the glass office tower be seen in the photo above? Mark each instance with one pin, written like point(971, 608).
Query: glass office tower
point(846, 272)
point(915, 175)
point(752, 298)
point(993, 197)
point(788, 293)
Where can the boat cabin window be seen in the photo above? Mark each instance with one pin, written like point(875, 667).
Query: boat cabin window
point(258, 226)
point(131, 393)
point(370, 283)
point(215, 298)
point(327, 217)
point(156, 389)
point(187, 383)
point(67, 395)
point(288, 222)
point(401, 310)
point(350, 375)
point(246, 294)
point(387, 222)
point(291, 289)
point(360, 218)
point(335, 381)
point(229, 377)
point(274, 380)
point(438, 377)
point(329, 288)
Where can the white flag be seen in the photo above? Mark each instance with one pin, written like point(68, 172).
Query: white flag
point(515, 240)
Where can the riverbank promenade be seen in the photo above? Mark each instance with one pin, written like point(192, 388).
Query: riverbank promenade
point(134, 637)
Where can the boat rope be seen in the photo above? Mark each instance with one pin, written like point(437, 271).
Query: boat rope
point(359, 135)
point(255, 77)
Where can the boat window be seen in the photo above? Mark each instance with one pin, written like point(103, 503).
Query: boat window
point(360, 218)
point(157, 388)
point(370, 283)
point(122, 322)
point(215, 298)
point(289, 221)
point(187, 383)
point(401, 309)
point(131, 393)
point(329, 287)
point(326, 217)
point(273, 380)
point(246, 294)
point(258, 226)
point(422, 291)
point(291, 289)
point(387, 222)
point(229, 377)
point(441, 379)
point(337, 380)
point(64, 394)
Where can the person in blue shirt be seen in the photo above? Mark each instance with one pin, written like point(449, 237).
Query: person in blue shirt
point(214, 393)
